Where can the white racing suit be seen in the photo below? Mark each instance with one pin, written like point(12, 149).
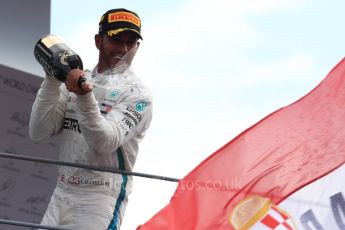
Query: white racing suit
point(100, 128)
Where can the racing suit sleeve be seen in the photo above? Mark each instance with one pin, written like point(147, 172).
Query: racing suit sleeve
point(127, 119)
point(48, 110)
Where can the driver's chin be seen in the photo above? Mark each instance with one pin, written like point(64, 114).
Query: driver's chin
point(113, 63)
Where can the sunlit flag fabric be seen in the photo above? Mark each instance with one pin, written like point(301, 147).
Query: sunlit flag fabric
point(280, 154)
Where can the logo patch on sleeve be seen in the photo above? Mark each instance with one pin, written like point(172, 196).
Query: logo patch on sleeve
point(140, 106)
point(105, 108)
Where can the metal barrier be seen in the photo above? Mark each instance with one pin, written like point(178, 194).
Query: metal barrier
point(69, 164)
point(30, 225)
point(101, 169)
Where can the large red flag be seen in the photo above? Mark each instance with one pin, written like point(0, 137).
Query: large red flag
point(283, 152)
